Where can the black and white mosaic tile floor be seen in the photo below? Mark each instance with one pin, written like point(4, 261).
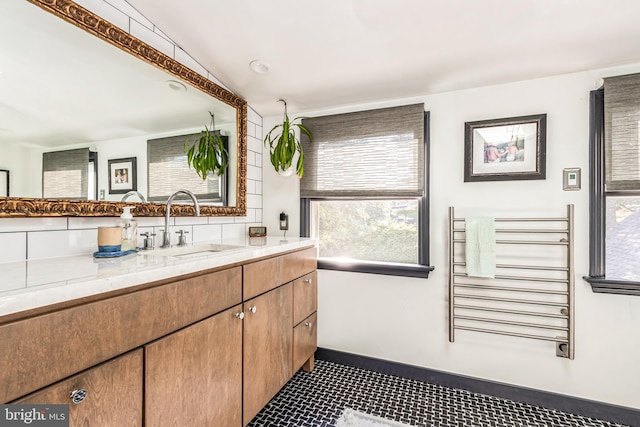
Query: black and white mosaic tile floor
point(318, 399)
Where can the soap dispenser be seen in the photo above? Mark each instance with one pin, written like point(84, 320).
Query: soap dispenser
point(129, 229)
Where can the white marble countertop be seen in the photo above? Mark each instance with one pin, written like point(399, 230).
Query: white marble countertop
point(34, 284)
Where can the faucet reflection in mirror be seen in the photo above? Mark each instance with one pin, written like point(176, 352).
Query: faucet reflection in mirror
point(133, 193)
point(166, 235)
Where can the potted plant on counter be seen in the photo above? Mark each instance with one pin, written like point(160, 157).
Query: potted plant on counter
point(284, 146)
point(208, 154)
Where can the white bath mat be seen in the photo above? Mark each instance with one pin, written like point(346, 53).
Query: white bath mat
point(351, 418)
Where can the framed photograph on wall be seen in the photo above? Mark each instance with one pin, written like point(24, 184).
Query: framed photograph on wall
point(122, 175)
point(4, 183)
point(505, 149)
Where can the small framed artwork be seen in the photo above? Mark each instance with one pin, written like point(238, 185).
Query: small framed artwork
point(122, 175)
point(4, 183)
point(505, 149)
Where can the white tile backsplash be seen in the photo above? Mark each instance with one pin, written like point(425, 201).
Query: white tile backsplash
point(251, 129)
point(254, 117)
point(42, 238)
point(59, 243)
point(185, 220)
point(220, 220)
point(126, 8)
point(13, 247)
point(251, 186)
point(254, 172)
point(254, 144)
point(184, 58)
point(32, 224)
point(108, 12)
point(155, 40)
point(203, 233)
point(234, 231)
point(79, 223)
point(254, 201)
point(251, 216)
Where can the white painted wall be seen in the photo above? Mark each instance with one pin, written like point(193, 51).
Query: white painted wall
point(406, 319)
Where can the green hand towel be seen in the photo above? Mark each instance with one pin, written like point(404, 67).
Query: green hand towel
point(480, 249)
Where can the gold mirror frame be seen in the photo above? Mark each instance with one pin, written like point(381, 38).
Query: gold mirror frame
point(93, 24)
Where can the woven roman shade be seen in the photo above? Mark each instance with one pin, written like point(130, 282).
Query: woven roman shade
point(622, 132)
point(169, 171)
point(375, 153)
point(65, 174)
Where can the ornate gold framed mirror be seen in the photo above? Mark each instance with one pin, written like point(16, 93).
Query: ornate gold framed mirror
point(206, 92)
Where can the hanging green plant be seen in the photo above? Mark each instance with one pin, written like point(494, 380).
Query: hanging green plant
point(208, 154)
point(284, 146)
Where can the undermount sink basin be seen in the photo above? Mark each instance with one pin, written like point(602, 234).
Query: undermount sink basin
point(196, 250)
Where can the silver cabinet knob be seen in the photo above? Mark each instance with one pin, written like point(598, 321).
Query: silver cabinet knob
point(307, 280)
point(252, 309)
point(308, 324)
point(240, 315)
point(77, 396)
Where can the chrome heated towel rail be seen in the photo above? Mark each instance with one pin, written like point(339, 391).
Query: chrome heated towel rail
point(532, 292)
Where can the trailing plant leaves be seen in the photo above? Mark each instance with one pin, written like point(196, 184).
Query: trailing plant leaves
point(283, 146)
point(208, 154)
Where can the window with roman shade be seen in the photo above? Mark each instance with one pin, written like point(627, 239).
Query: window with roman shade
point(364, 190)
point(622, 132)
point(376, 153)
point(168, 171)
point(614, 205)
point(65, 174)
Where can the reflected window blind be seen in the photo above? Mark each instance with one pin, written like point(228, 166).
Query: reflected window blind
point(65, 174)
point(168, 171)
point(375, 153)
point(622, 132)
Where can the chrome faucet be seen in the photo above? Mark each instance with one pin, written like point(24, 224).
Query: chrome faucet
point(133, 193)
point(166, 236)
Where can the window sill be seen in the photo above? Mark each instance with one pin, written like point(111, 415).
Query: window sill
point(386, 268)
point(611, 286)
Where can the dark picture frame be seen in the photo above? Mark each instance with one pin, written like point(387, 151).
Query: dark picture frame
point(512, 148)
point(4, 183)
point(122, 175)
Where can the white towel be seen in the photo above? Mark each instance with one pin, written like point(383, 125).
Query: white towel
point(480, 250)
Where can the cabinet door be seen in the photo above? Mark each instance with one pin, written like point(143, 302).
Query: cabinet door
point(194, 376)
point(113, 393)
point(268, 348)
point(305, 343)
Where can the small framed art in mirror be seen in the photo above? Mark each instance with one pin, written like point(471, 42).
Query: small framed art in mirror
point(122, 175)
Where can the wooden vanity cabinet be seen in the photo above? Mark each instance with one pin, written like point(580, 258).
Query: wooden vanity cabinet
point(113, 393)
point(268, 347)
point(210, 349)
point(194, 376)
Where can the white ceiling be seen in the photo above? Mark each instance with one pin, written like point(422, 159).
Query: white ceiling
point(332, 53)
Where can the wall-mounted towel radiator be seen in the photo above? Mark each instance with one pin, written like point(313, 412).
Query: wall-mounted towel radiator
point(532, 294)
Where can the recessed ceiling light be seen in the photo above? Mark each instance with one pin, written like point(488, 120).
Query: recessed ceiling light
point(176, 85)
point(259, 67)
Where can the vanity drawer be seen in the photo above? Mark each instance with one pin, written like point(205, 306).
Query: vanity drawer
point(297, 264)
point(262, 276)
point(305, 297)
point(305, 342)
point(109, 394)
point(53, 346)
